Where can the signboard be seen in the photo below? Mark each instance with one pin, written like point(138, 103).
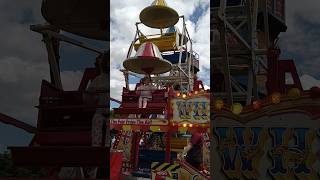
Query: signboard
point(281, 146)
point(140, 122)
point(193, 110)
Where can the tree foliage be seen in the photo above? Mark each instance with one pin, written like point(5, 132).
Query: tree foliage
point(7, 168)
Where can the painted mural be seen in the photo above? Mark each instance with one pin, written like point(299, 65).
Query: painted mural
point(275, 147)
point(195, 110)
point(291, 152)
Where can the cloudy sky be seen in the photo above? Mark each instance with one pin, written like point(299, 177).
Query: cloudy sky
point(124, 15)
point(301, 42)
point(23, 64)
point(23, 59)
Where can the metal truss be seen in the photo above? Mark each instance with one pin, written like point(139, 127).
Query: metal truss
point(237, 50)
point(182, 73)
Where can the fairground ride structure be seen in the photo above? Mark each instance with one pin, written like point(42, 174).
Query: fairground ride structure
point(150, 137)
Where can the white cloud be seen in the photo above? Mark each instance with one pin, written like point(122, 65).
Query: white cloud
point(20, 80)
point(20, 86)
point(309, 10)
point(116, 83)
point(206, 87)
point(125, 13)
point(308, 82)
point(71, 80)
point(23, 60)
point(302, 37)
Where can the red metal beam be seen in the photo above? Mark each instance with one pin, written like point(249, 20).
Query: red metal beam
point(19, 124)
point(114, 100)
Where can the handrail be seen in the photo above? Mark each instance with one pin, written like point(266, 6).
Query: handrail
point(187, 165)
point(45, 29)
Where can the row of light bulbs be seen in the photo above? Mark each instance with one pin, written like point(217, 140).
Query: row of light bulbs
point(185, 95)
point(190, 125)
point(275, 98)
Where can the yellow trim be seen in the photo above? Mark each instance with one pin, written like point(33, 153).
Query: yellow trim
point(153, 164)
point(183, 129)
point(161, 166)
point(126, 127)
point(177, 150)
point(168, 169)
point(155, 128)
point(164, 43)
point(172, 167)
point(159, 3)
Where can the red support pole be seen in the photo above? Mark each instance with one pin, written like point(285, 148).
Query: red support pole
point(134, 159)
point(168, 134)
point(137, 140)
point(273, 71)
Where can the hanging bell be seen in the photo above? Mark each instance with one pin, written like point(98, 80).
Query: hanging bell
point(159, 15)
point(148, 60)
